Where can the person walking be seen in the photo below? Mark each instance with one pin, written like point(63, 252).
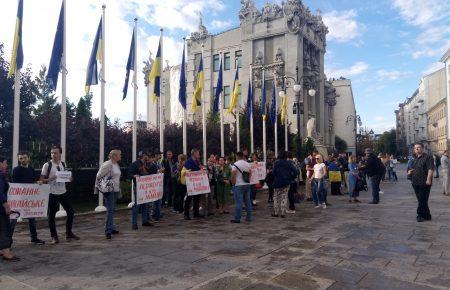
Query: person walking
point(445, 172)
point(5, 211)
point(375, 170)
point(240, 178)
point(24, 173)
point(319, 191)
point(223, 174)
point(284, 172)
point(437, 164)
point(421, 173)
point(111, 171)
point(335, 176)
point(393, 164)
point(58, 195)
point(192, 164)
point(269, 177)
point(353, 191)
point(136, 169)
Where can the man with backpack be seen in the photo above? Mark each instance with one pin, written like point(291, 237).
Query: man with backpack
point(240, 178)
point(375, 170)
point(58, 195)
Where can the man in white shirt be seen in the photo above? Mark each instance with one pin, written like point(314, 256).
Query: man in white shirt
point(58, 195)
point(240, 177)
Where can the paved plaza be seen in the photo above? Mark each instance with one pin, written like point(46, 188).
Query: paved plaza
point(346, 246)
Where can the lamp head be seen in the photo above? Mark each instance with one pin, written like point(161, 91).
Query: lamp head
point(297, 88)
point(281, 94)
point(312, 92)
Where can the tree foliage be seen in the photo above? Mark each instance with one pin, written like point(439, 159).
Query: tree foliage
point(387, 143)
point(340, 144)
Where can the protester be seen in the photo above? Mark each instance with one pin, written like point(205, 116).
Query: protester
point(136, 169)
point(284, 172)
point(319, 190)
point(170, 179)
point(26, 174)
point(154, 166)
point(207, 199)
point(335, 177)
point(58, 195)
point(310, 161)
point(240, 178)
point(223, 175)
point(343, 162)
point(353, 191)
point(180, 191)
point(5, 211)
point(445, 172)
point(375, 170)
point(292, 193)
point(421, 173)
point(192, 164)
point(111, 171)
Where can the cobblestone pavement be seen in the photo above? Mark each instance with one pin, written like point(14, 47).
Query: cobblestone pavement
point(346, 246)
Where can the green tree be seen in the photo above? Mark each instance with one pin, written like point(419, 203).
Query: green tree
point(387, 143)
point(340, 144)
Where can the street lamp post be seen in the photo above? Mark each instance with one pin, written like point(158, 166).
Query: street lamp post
point(357, 121)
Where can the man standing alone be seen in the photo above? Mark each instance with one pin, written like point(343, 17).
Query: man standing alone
point(421, 173)
point(375, 170)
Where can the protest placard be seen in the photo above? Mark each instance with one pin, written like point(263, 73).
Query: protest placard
point(149, 188)
point(63, 176)
point(258, 172)
point(31, 200)
point(197, 182)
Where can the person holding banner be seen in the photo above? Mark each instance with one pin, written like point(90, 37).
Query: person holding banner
point(25, 174)
point(58, 194)
point(5, 211)
point(111, 170)
point(192, 164)
point(136, 169)
point(223, 185)
point(154, 166)
point(240, 177)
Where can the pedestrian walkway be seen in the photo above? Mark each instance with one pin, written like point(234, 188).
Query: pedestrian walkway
point(346, 246)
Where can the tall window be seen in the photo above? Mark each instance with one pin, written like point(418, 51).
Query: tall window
point(238, 59)
point(216, 62)
point(226, 96)
point(226, 61)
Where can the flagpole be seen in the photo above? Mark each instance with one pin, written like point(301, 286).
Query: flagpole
point(238, 139)
point(204, 113)
point(264, 120)
point(16, 135)
point(286, 139)
point(161, 99)
point(221, 101)
point(276, 117)
point(134, 145)
point(101, 207)
point(184, 109)
point(252, 145)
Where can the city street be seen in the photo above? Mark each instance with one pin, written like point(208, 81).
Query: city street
point(346, 246)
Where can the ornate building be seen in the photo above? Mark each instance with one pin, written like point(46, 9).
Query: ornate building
point(286, 42)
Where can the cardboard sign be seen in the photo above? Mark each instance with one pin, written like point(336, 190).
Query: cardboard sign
point(149, 188)
point(197, 182)
point(258, 172)
point(31, 200)
point(63, 176)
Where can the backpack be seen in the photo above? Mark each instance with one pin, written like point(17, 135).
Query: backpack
point(49, 168)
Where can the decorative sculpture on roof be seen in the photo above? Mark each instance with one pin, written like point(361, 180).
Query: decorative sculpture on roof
point(202, 32)
point(294, 12)
point(248, 11)
point(148, 64)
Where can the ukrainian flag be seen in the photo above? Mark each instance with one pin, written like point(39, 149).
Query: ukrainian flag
point(283, 110)
point(198, 87)
point(96, 54)
point(235, 91)
point(155, 75)
point(17, 51)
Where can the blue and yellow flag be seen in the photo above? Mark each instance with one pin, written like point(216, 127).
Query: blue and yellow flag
point(96, 54)
point(17, 51)
point(182, 96)
point(155, 75)
point(263, 97)
point(249, 100)
point(130, 66)
point(219, 90)
point(273, 106)
point(57, 52)
point(235, 91)
point(197, 100)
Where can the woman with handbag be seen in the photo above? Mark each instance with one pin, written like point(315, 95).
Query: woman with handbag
point(108, 182)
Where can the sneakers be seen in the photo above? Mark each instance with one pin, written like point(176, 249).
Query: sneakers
point(108, 236)
point(318, 206)
point(290, 211)
point(324, 205)
point(37, 242)
point(71, 236)
point(55, 240)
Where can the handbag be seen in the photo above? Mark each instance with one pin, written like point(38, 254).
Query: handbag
point(105, 184)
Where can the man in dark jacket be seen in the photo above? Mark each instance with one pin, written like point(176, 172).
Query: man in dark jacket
point(25, 174)
point(421, 173)
point(374, 169)
point(170, 178)
point(193, 164)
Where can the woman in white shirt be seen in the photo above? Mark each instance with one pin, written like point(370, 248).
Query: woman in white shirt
point(320, 171)
point(111, 170)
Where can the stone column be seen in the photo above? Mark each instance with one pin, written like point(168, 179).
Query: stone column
point(320, 112)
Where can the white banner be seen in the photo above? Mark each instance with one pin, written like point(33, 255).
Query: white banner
point(149, 188)
point(30, 199)
point(258, 172)
point(63, 176)
point(197, 182)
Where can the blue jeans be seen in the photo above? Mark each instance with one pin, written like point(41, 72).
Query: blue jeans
point(144, 212)
point(110, 202)
point(319, 191)
point(242, 193)
point(156, 210)
point(375, 184)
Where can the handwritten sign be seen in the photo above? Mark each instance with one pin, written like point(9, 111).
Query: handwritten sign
point(63, 176)
point(258, 172)
point(149, 188)
point(197, 182)
point(31, 200)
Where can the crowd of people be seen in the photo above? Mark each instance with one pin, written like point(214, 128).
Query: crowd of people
point(229, 176)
